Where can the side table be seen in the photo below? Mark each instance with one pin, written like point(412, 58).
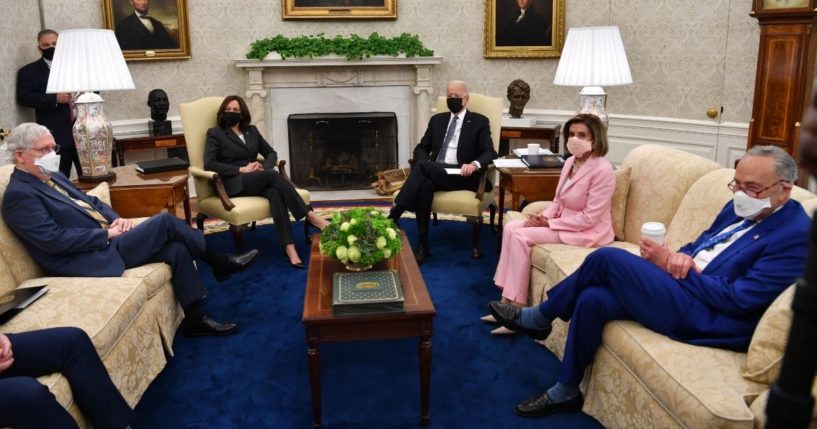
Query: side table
point(533, 184)
point(548, 135)
point(134, 194)
point(146, 142)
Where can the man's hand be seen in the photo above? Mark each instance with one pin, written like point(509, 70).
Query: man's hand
point(251, 167)
point(114, 231)
point(536, 220)
point(468, 169)
point(679, 265)
point(63, 98)
point(123, 224)
point(6, 355)
point(654, 252)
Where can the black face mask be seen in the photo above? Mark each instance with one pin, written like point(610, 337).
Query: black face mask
point(230, 118)
point(454, 104)
point(49, 53)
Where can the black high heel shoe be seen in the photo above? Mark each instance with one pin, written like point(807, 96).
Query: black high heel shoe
point(299, 265)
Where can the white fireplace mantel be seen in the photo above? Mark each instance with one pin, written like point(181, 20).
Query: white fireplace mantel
point(377, 77)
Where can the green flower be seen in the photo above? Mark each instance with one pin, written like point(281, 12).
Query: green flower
point(342, 253)
point(353, 221)
point(354, 254)
point(351, 239)
point(381, 242)
point(386, 253)
point(344, 226)
point(392, 233)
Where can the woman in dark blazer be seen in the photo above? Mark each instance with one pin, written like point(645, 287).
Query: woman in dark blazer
point(232, 150)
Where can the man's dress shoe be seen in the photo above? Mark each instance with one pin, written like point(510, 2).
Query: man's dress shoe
point(507, 315)
point(234, 264)
point(540, 406)
point(208, 326)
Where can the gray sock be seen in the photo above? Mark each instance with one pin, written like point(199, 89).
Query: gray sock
point(562, 393)
point(532, 318)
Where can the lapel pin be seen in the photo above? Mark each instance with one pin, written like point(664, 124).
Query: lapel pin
point(757, 236)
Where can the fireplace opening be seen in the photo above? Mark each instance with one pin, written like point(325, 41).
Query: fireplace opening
point(340, 151)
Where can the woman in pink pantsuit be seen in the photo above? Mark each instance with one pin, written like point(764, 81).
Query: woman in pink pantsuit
point(580, 213)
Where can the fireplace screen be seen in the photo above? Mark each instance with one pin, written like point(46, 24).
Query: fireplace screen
point(340, 151)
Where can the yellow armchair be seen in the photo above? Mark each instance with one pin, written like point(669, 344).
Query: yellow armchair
point(240, 212)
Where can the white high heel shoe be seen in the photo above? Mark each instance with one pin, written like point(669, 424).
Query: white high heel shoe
point(488, 318)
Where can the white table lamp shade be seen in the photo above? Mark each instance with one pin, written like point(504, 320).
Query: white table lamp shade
point(88, 60)
point(593, 56)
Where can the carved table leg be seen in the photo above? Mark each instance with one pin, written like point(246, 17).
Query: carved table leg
point(314, 358)
point(424, 352)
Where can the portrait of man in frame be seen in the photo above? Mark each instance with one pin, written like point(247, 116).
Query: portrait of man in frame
point(149, 29)
point(339, 9)
point(524, 28)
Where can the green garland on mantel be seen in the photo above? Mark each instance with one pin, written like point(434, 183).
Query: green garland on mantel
point(353, 47)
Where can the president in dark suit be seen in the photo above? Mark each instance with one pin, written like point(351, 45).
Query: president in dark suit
point(72, 234)
point(140, 31)
point(25, 403)
point(712, 292)
point(455, 139)
point(51, 110)
point(526, 28)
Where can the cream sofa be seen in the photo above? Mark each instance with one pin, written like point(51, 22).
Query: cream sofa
point(131, 319)
point(643, 379)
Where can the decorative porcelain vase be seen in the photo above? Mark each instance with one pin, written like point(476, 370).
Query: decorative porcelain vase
point(352, 266)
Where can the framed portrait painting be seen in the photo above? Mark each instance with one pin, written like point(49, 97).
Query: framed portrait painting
point(524, 28)
point(339, 9)
point(149, 29)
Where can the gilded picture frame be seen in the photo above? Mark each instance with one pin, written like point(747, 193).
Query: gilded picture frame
point(158, 31)
point(339, 9)
point(539, 32)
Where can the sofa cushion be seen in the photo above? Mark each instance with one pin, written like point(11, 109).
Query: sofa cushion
point(12, 251)
point(101, 191)
point(659, 179)
point(103, 307)
point(769, 340)
point(619, 204)
point(700, 386)
point(154, 275)
point(702, 202)
point(557, 261)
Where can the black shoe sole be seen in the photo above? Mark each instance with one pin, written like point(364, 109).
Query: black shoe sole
point(536, 334)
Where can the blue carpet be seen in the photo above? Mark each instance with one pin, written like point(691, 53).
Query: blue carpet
point(258, 377)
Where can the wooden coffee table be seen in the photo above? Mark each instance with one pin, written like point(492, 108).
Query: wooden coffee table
point(321, 326)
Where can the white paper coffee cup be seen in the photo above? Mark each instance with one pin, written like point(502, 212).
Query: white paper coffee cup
point(533, 148)
point(655, 231)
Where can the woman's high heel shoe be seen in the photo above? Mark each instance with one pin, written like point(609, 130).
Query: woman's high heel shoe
point(298, 265)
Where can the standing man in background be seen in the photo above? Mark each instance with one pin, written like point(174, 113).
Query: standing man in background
point(53, 111)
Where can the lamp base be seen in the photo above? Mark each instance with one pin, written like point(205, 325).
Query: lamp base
point(97, 179)
point(93, 138)
point(593, 99)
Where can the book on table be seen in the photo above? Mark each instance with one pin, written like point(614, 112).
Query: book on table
point(543, 161)
point(366, 292)
point(14, 301)
point(159, 165)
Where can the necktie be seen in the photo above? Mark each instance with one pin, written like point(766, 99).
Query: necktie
point(145, 19)
point(719, 238)
point(85, 206)
point(447, 140)
point(521, 15)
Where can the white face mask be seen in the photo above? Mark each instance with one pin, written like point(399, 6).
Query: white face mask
point(748, 207)
point(48, 163)
point(579, 147)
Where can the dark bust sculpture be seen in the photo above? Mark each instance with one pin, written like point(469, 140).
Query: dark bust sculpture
point(518, 95)
point(159, 104)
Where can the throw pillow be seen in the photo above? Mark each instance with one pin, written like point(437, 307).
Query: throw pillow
point(101, 191)
point(619, 205)
point(769, 340)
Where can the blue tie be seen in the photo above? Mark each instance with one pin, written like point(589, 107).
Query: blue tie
point(447, 140)
point(719, 238)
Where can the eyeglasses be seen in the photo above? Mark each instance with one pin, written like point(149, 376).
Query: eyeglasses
point(750, 190)
point(45, 150)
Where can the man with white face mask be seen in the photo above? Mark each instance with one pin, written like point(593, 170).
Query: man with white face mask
point(712, 292)
point(72, 234)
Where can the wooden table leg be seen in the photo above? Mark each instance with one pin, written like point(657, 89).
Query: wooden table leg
point(188, 216)
point(501, 209)
point(314, 357)
point(424, 353)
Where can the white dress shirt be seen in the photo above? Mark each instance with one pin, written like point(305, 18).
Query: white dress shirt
point(451, 153)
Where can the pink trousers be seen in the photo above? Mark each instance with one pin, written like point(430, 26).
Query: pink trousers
point(513, 271)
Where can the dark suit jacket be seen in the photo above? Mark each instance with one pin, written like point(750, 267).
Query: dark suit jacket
point(225, 153)
point(132, 34)
point(734, 289)
point(32, 80)
point(62, 237)
point(532, 30)
point(475, 142)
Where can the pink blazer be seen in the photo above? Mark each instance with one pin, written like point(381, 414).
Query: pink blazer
point(581, 210)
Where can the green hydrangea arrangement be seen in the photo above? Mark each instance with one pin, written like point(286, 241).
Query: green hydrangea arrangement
point(363, 236)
